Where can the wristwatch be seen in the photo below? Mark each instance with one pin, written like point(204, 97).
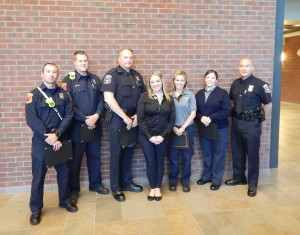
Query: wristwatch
point(57, 134)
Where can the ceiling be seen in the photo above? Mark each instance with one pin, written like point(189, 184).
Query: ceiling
point(291, 28)
point(291, 18)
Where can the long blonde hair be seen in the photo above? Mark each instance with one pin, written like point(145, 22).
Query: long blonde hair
point(150, 92)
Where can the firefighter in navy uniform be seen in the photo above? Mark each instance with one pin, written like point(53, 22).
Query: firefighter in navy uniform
point(84, 89)
point(251, 100)
point(122, 87)
point(49, 119)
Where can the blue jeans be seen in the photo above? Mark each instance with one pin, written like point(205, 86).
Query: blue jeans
point(214, 152)
point(154, 156)
point(187, 155)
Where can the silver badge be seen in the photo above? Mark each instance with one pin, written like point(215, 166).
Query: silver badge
point(250, 88)
point(61, 95)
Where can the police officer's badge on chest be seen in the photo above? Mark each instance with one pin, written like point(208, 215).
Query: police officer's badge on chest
point(61, 95)
point(250, 88)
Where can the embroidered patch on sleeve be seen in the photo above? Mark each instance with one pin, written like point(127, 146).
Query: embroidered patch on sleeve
point(29, 98)
point(107, 79)
point(267, 88)
point(63, 85)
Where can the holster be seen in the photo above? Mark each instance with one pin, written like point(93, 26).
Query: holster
point(108, 114)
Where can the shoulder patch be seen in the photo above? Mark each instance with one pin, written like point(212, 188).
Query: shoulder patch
point(29, 98)
point(107, 79)
point(267, 88)
point(63, 85)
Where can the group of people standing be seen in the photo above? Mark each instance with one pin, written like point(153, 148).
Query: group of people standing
point(83, 98)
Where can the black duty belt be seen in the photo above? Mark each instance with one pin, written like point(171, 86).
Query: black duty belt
point(250, 115)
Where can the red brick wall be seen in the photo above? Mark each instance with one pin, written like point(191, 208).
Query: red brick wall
point(165, 35)
point(290, 89)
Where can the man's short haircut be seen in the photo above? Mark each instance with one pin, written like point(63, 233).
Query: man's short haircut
point(80, 53)
point(124, 49)
point(49, 64)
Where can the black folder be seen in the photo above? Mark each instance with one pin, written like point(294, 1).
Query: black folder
point(128, 137)
point(180, 142)
point(209, 132)
point(87, 135)
point(64, 154)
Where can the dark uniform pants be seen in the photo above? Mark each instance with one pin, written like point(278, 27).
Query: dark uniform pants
point(245, 141)
point(39, 171)
point(93, 158)
point(187, 155)
point(120, 159)
point(213, 154)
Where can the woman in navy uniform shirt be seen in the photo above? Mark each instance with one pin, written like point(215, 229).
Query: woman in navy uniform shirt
point(213, 106)
point(156, 118)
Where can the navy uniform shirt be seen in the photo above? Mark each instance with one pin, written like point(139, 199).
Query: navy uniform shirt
point(43, 119)
point(249, 94)
point(127, 87)
point(85, 93)
point(154, 118)
point(216, 107)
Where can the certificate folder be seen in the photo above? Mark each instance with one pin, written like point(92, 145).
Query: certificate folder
point(209, 132)
point(87, 135)
point(64, 154)
point(128, 137)
point(180, 142)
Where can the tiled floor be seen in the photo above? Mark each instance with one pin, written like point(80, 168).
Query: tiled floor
point(275, 209)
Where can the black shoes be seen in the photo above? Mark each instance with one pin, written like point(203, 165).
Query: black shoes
point(70, 207)
point(150, 198)
point(173, 187)
point(214, 187)
point(101, 190)
point(202, 182)
point(186, 188)
point(157, 198)
point(232, 182)
point(74, 198)
point(132, 188)
point(252, 190)
point(119, 196)
point(35, 218)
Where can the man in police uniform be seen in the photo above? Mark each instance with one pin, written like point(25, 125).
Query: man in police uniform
point(49, 119)
point(251, 100)
point(122, 87)
point(84, 89)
